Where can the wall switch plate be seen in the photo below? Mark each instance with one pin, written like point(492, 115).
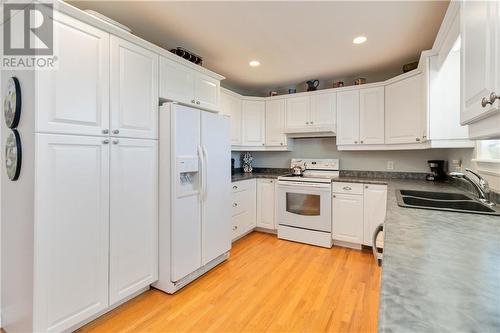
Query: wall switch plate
point(390, 165)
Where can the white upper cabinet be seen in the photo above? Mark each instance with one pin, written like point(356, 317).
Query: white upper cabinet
point(207, 92)
point(348, 117)
point(480, 33)
point(176, 82)
point(231, 106)
point(134, 90)
point(133, 217)
point(323, 111)
point(371, 116)
point(71, 230)
point(405, 111)
point(254, 120)
point(74, 99)
point(275, 123)
point(265, 203)
point(182, 84)
point(297, 112)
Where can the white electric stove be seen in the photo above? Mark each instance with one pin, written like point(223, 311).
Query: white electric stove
point(304, 203)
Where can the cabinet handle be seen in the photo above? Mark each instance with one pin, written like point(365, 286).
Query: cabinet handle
point(485, 102)
point(198, 102)
point(417, 139)
point(493, 97)
point(105, 141)
point(235, 227)
point(281, 143)
point(347, 188)
point(361, 141)
point(193, 101)
point(115, 142)
point(307, 123)
point(366, 186)
point(105, 131)
point(235, 187)
point(334, 196)
point(116, 131)
point(356, 142)
point(235, 204)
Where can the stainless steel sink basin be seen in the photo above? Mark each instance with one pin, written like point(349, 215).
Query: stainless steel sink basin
point(454, 202)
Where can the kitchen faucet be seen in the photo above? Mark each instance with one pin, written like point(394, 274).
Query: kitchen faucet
point(481, 187)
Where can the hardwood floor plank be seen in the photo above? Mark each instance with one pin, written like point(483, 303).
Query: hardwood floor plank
point(267, 285)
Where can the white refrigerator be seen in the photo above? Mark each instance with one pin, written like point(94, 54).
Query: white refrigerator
point(195, 194)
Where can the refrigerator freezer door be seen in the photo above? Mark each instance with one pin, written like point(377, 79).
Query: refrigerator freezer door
point(216, 196)
point(186, 213)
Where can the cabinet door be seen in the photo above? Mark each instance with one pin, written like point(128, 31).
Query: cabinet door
point(134, 90)
point(479, 22)
point(323, 110)
point(348, 117)
point(348, 218)
point(298, 112)
point(371, 116)
point(176, 82)
point(133, 217)
point(71, 230)
point(275, 123)
point(74, 99)
point(265, 203)
point(207, 92)
point(375, 205)
point(231, 106)
point(404, 111)
point(253, 122)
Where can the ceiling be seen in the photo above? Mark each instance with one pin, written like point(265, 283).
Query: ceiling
point(294, 41)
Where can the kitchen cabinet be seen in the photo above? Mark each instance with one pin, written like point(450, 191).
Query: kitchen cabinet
point(185, 85)
point(348, 117)
point(275, 123)
point(243, 220)
point(405, 110)
point(347, 218)
point(254, 122)
point(323, 111)
point(311, 113)
point(297, 112)
point(374, 210)
point(231, 106)
point(133, 217)
point(72, 237)
point(265, 204)
point(74, 99)
point(480, 33)
point(371, 116)
point(134, 90)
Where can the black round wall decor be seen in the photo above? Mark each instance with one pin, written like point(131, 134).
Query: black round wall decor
point(12, 103)
point(13, 155)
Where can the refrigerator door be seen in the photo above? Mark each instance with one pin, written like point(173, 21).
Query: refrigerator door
point(216, 186)
point(186, 183)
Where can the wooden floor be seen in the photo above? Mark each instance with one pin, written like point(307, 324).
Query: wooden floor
point(267, 285)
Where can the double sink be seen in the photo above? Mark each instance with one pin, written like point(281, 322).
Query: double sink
point(454, 202)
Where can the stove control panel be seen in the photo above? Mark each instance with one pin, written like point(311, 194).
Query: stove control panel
point(316, 164)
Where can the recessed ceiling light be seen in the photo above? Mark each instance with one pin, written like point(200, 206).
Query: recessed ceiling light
point(359, 40)
point(254, 63)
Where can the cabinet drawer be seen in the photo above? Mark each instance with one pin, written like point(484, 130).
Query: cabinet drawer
point(243, 185)
point(348, 188)
point(239, 202)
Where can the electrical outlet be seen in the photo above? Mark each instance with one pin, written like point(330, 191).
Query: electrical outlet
point(390, 165)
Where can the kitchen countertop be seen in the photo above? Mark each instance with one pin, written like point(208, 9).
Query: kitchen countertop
point(441, 270)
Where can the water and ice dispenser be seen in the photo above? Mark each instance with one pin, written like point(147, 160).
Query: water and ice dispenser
point(187, 175)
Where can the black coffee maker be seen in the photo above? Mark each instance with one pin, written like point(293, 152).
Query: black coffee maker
point(438, 170)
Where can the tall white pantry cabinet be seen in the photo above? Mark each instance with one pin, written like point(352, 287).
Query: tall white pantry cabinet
point(80, 224)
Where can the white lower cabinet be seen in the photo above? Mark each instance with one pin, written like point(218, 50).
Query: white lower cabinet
point(347, 218)
point(374, 211)
point(133, 217)
point(243, 217)
point(265, 203)
point(71, 230)
point(357, 210)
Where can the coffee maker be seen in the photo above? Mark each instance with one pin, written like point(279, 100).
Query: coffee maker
point(438, 170)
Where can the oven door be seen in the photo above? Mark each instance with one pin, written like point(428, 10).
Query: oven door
point(304, 205)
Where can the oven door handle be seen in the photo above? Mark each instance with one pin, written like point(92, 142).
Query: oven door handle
point(296, 184)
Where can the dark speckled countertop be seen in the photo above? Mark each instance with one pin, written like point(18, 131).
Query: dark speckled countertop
point(441, 270)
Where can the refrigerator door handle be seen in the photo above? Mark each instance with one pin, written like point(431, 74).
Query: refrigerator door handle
point(378, 255)
point(201, 173)
point(205, 172)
